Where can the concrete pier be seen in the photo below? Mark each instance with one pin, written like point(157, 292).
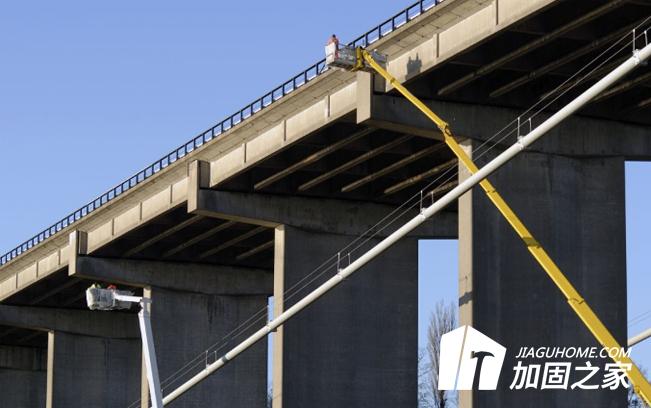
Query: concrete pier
point(98, 352)
point(575, 208)
point(195, 306)
point(185, 324)
point(360, 341)
point(86, 371)
point(23, 376)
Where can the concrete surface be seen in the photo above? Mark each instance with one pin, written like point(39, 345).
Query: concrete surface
point(86, 322)
point(185, 324)
point(357, 346)
point(328, 215)
point(189, 277)
point(22, 376)
point(95, 372)
point(576, 136)
point(575, 208)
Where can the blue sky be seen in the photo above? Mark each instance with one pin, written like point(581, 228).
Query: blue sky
point(91, 92)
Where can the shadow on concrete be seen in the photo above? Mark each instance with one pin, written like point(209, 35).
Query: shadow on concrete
point(414, 66)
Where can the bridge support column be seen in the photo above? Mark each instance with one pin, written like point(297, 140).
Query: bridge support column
point(186, 324)
point(195, 306)
point(91, 357)
point(575, 208)
point(22, 376)
point(86, 371)
point(355, 347)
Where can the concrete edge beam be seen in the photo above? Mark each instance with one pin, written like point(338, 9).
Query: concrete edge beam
point(83, 322)
point(578, 136)
point(186, 277)
point(342, 217)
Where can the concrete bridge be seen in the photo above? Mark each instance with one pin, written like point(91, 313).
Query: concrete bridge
point(247, 209)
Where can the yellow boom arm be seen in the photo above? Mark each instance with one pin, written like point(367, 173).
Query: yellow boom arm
point(576, 302)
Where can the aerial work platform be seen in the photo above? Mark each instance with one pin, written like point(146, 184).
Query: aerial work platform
point(347, 57)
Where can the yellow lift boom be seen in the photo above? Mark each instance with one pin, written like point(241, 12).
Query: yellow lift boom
point(363, 60)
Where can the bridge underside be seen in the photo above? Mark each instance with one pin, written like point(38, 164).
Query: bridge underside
point(520, 66)
point(213, 261)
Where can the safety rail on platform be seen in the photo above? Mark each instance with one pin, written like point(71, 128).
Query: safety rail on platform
point(371, 36)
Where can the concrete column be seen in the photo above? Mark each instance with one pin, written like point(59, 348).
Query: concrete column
point(356, 346)
point(195, 306)
point(92, 357)
point(86, 371)
point(575, 208)
point(22, 376)
point(185, 324)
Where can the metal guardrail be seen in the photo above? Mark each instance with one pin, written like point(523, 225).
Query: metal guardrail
point(378, 32)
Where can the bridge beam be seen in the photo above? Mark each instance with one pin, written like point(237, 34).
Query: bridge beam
point(82, 322)
point(577, 136)
point(186, 277)
point(326, 215)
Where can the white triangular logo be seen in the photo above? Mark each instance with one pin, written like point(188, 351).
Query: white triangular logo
point(469, 358)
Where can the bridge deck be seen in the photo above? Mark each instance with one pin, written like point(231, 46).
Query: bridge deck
point(309, 144)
